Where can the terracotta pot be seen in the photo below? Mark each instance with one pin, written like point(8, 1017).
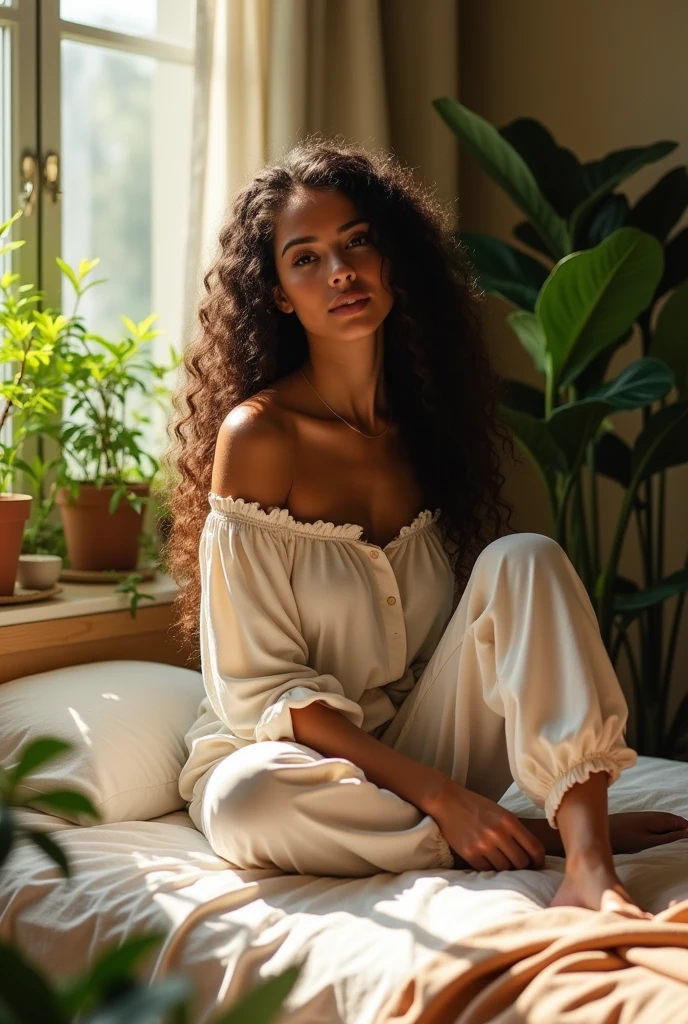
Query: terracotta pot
point(15, 509)
point(95, 538)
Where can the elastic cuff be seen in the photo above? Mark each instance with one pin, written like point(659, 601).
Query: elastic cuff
point(580, 772)
point(444, 851)
point(276, 723)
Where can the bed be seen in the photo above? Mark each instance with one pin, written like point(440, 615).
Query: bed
point(358, 941)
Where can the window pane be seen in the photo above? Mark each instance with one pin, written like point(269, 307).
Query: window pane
point(126, 126)
point(170, 20)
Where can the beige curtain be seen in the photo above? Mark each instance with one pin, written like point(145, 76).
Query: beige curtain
point(268, 72)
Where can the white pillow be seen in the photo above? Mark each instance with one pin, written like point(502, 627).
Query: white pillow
point(126, 721)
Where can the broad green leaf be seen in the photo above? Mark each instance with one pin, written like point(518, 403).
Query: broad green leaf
point(523, 398)
point(130, 325)
point(51, 849)
point(534, 437)
point(36, 753)
point(67, 270)
point(573, 425)
point(144, 1003)
point(113, 965)
point(676, 583)
point(675, 264)
point(610, 214)
point(529, 332)
point(642, 382)
point(670, 342)
point(11, 246)
point(590, 298)
point(6, 831)
point(505, 166)
point(663, 442)
point(4, 227)
point(660, 209)
point(556, 169)
point(601, 176)
point(505, 271)
point(262, 1004)
point(25, 991)
point(86, 266)
point(526, 233)
point(64, 800)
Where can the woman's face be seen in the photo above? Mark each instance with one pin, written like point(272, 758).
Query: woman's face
point(337, 257)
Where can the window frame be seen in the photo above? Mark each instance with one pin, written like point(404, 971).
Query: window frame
point(37, 31)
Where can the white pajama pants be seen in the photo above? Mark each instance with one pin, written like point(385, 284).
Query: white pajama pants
point(519, 688)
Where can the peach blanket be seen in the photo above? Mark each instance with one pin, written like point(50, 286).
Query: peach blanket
point(559, 965)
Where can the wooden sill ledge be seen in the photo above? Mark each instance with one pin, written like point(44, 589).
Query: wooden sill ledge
point(90, 622)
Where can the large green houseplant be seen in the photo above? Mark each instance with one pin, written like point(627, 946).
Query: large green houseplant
point(110, 990)
point(600, 270)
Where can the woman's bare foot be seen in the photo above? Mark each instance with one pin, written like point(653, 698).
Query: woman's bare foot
point(591, 882)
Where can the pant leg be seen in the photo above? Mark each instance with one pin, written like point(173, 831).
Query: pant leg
point(520, 687)
point(282, 804)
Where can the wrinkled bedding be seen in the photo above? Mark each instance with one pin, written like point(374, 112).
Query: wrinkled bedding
point(358, 941)
point(556, 966)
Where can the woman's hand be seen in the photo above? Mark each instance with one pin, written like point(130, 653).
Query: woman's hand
point(638, 830)
point(486, 836)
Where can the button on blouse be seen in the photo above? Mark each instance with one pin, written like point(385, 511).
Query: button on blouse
point(295, 612)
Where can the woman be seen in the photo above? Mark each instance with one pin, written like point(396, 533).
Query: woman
point(380, 663)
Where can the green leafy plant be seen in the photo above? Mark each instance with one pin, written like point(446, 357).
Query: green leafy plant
point(55, 360)
point(99, 376)
point(601, 269)
point(109, 991)
point(28, 345)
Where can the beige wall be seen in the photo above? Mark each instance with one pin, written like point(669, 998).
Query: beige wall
point(600, 75)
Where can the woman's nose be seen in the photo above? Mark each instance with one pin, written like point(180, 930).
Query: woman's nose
point(341, 272)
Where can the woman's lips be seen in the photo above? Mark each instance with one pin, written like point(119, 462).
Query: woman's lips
point(349, 308)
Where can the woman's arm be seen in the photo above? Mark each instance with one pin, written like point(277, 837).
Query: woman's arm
point(430, 790)
point(328, 732)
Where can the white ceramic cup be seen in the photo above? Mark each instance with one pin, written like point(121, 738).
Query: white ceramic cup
point(39, 572)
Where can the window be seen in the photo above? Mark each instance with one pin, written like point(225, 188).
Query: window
point(112, 82)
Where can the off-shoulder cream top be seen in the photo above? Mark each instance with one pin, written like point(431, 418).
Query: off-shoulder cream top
point(294, 612)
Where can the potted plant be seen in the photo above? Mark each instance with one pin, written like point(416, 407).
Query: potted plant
point(104, 478)
point(601, 267)
point(29, 393)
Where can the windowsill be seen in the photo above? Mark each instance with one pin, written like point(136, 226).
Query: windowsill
point(88, 599)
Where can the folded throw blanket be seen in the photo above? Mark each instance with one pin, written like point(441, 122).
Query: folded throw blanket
point(559, 965)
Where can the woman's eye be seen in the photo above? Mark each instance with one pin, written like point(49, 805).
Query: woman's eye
point(297, 262)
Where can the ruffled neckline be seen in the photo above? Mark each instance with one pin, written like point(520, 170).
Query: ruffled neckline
point(251, 510)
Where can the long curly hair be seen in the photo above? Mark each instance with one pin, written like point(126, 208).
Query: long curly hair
point(442, 388)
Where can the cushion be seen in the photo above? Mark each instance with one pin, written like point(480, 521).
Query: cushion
point(126, 721)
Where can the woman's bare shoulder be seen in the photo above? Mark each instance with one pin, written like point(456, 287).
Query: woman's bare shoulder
point(254, 452)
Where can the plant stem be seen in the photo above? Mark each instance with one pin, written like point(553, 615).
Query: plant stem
point(637, 693)
point(586, 565)
point(594, 513)
point(673, 639)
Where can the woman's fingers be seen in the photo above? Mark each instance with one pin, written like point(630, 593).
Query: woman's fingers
point(517, 856)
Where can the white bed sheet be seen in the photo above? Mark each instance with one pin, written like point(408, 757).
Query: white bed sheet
point(357, 940)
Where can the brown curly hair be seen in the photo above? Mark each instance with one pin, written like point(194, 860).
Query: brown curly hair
point(442, 389)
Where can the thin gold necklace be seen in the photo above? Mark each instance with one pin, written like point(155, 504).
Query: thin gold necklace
point(341, 417)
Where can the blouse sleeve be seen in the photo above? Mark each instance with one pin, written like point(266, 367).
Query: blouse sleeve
point(254, 658)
